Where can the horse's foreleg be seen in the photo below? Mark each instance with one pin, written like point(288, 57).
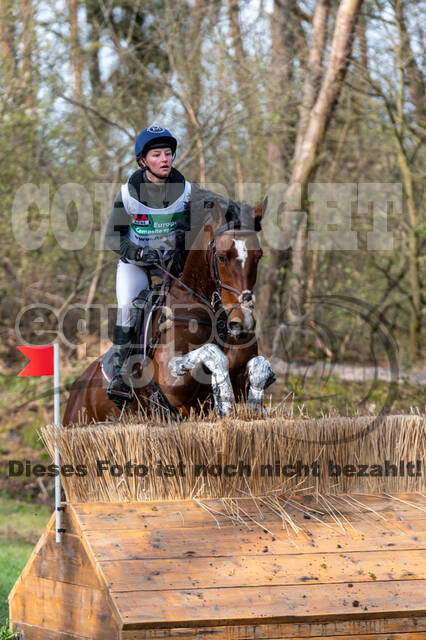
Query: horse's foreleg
point(216, 362)
point(260, 376)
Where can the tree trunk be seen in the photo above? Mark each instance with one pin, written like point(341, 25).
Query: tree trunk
point(28, 42)
point(198, 12)
point(313, 70)
point(285, 28)
point(7, 41)
point(93, 62)
point(316, 128)
point(413, 260)
point(413, 72)
point(286, 32)
point(75, 48)
point(408, 68)
point(244, 78)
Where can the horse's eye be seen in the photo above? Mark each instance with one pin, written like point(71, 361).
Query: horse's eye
point(223, 259)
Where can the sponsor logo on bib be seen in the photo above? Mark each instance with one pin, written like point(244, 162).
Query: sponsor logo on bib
point(141, 220)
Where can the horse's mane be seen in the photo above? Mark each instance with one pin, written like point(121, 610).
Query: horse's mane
point(233, 214)
point(239, 215)
point(205, 207)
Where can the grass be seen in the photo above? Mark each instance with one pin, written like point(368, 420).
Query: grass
point(13, 557)
point(316, 397)
point(21, 524)
point(22, 521)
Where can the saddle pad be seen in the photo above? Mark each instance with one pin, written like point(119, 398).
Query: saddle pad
point(107, 364)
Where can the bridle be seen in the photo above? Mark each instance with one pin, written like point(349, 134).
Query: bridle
point(246, 298)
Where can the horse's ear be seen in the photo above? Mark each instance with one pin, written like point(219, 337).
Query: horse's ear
point(258, 213)
point(212, 215)
point(215, 212)
point(208, 228)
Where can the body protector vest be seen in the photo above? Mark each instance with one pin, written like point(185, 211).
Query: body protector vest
point(151, 227)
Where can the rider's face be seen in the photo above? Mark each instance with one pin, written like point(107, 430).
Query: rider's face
point(160, 161)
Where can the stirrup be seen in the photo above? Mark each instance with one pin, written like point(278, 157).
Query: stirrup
point(119, 395)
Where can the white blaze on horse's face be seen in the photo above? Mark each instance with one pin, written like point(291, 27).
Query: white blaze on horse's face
point(242, 253)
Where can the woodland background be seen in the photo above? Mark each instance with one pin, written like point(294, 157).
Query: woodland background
point(257, 91)
point(315, 91)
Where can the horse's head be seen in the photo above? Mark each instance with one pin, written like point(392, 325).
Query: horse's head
point(233, 254)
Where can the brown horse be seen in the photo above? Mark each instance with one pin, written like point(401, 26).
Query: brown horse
point(195, 354)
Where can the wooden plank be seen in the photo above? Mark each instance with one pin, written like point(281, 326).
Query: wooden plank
point(199, 635)
point(66, 562)
point(29, 632)
point(374, 636)
point(25, 571)
point(64, 608)
point(344, 629)
point(235, 541)
point(187, 513)
point(245, 571)
point(68, 521)
point(253, 605)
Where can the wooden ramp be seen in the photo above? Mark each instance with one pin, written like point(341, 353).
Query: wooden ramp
point(170, 570)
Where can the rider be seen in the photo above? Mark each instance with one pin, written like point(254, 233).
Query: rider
point(143, 228)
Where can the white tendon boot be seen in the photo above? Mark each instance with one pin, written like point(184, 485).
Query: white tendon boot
point(213, 358)
point(260, 376)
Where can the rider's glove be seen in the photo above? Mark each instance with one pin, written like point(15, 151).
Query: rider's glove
point(148, 257)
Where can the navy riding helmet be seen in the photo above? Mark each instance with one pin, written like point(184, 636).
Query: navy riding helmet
point(154, 138)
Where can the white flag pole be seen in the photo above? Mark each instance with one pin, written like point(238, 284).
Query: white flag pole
point(57, 420)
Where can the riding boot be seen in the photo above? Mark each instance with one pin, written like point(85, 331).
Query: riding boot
point(119, 389)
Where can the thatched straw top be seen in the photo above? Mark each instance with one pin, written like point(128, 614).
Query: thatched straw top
point(237, 457)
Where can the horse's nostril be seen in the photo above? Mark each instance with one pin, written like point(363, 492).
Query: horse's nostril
point(247, 296)
point(237, 329)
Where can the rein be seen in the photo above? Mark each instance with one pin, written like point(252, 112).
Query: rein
point(246, 298)
point(220, 324)
point(185, 286)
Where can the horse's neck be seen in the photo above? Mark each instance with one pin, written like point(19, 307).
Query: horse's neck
point(196, 273)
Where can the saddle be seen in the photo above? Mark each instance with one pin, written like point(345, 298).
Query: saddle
point(146, 303)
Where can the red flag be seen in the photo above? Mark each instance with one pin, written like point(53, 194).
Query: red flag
point(41, 361)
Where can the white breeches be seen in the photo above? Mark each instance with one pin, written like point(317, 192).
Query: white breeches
point(130, 280)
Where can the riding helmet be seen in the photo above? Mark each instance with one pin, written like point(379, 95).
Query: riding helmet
point(153, 138)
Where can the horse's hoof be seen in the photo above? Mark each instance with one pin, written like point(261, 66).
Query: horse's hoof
point(272, 378)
